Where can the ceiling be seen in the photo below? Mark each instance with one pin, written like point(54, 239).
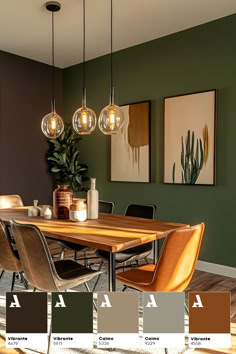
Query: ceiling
point(25, 25)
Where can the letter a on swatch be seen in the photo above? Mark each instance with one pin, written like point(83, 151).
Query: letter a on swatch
point(61, 302)
point(15, 303)
point(198, 303)
point(152, 302)
point(106, 303)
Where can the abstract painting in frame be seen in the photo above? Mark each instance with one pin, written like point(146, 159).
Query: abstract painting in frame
point(189, 138)
point(130, 147)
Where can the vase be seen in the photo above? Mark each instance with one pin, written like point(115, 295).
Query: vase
point(78, 210)
point(34, 210)
point(62, 200)
point(92, 200)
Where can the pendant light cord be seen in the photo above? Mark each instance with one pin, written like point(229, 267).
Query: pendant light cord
point(84, 17)
point(111, 43)
point(53, 66)
point(84, 27)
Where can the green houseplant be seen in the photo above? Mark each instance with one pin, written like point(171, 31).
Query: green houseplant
point(63, 157)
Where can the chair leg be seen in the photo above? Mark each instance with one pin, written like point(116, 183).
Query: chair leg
point(75, 257)
point(24, 281)
point(2, 273)
point(87, 287)
point(186, 308)
point(49, 338)
point(13, 281)
point(124, 288)
point(85, 259)
point(34, 290)
point(97, 280)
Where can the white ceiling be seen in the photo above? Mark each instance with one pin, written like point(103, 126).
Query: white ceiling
point(25, 25)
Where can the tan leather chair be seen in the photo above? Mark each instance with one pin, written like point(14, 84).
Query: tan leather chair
point(175, 267)
point(39, 268)
point(10, 201)
point(9, 259)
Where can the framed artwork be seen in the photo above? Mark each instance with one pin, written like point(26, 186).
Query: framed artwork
point(130, 147)
point(190, 139)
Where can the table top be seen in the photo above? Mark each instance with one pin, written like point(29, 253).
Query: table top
point(110, 232)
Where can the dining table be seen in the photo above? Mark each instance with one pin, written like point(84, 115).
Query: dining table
point(110, 232)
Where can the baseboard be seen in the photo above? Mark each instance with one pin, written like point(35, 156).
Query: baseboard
point(216, 269)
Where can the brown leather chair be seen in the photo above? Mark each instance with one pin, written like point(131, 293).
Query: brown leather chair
point(10, 201)
point(39, 268)
point(9, 260)
point(175, 267)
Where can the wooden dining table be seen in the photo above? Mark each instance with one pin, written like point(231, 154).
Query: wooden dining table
point(110, 232)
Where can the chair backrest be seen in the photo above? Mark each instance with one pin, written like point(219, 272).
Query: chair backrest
point(8, 259)
point(178, 259)
point(10, 201)
point(141, 211)
point(106, 207)
point(35, 257)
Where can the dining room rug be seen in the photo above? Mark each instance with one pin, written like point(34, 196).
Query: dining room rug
point(5, 285)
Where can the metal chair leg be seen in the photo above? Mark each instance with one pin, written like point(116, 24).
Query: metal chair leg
point(85, 259)
point(75, 257)
point(49, 338)
point(2, 273)
point(186, 308)
point(97, 280)
point(34, 290)
point(87, 287)
point(24, 281)
point(124, 288)
point(13, 281)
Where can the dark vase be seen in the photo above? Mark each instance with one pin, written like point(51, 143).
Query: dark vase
point(62, 200)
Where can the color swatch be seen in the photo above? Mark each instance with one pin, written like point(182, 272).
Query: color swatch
point(72, 320)
point(163, 320)
point(26, 320)
point(209, 320)
point(118, 320)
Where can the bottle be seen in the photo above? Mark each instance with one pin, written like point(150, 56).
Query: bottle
point(34, 210)
point(92, 200)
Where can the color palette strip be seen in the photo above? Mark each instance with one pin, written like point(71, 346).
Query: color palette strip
point(26, 320)
point(209, 320)
point(72, 320)
point(163, 320)
point(118, 320)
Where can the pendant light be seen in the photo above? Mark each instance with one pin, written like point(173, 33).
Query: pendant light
point(84, 119)
point(111, 118)
point(52, 124)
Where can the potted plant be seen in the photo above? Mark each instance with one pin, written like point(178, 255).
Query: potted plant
point(63, 157)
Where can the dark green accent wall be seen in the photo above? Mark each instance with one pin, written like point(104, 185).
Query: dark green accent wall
point(197, 59)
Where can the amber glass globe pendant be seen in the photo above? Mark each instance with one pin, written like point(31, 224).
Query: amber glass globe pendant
point(84, 119)
point(52, 124)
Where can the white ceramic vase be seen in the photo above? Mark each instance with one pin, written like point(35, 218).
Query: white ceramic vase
point(92, 200)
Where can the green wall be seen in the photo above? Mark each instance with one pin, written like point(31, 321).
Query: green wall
point(197, 59)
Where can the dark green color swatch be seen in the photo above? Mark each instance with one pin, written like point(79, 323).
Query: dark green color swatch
point(76, 317)
point(30, 317)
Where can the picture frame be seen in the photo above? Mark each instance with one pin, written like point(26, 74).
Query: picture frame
point(190, 138)
point(131, 146)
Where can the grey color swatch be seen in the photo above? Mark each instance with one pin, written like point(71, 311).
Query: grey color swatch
point(122, 317)
point(168, 316)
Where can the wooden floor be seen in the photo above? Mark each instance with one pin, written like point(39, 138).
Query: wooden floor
point(201, 281)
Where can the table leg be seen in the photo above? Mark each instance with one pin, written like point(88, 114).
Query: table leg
point(156, 250)
point(112, 272)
